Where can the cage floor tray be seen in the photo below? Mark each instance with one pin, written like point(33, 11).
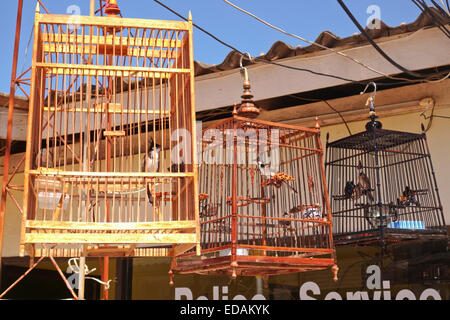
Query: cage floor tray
point(253, 265)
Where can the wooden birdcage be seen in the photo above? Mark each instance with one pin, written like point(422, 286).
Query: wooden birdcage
point(383, 188)
point(103, 91)
point(264, 206)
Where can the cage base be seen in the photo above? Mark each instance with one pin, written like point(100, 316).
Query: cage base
point(66, 239)
point(252, 265)
point(373, 237)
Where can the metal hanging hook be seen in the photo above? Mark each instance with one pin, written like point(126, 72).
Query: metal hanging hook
point(371, 99)
point(244, 70)
point(373, 124)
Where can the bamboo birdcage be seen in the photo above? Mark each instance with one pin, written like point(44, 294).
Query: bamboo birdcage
point(256, 224)
point(102, 89)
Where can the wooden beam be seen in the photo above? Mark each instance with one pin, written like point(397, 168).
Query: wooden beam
point(110, 175)
point(98, 70)
point(108, 238)
point(117, 50)
point(114, 22)
point(58, 225)
point(109, 40)
point(110, 110)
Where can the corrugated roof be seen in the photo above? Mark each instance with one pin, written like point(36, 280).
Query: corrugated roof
point(280, 49)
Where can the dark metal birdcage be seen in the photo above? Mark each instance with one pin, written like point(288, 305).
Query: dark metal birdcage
point(264, 205)
point(383, 188)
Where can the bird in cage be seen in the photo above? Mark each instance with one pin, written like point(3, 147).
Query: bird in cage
point(44, 159)
point(351, 191)
point(286, 223)
point(364, 182)
point(221, 226)
point(265, 170)
point(409, 197)
point(209, 210)
point(277, 178)
point(177, 167)
point(150, 163)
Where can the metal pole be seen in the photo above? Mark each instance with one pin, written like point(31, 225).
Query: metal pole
point(12, 94)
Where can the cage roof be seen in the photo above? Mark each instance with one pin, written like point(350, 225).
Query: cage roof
point(384, 139)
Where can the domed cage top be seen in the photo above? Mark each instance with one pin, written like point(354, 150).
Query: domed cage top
point(383, 188)
point(263, 201)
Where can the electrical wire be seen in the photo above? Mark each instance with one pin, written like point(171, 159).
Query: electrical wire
point(380, 51)
point(442, 9)
point(431, 117)
point(27, 48)
point(329, 105)
point(256, 58)
point(446, 8)
point(443, 5)
point(435, 19)
point(314, 43)
point(290, 67)
point(330, 49)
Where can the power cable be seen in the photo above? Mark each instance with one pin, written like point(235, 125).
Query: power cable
point(27, 48)
point(329, 105)
point(256, 58)
point(435, 19)
point(313, 43)
point(325, 47)
point(380, 51)
point(431, 117)
point(442, 8)
point(290, 67)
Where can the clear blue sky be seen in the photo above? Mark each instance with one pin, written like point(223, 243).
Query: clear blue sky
point(307, 18)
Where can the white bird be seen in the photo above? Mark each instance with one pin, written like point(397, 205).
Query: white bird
point(150, 163)
point(268, 173)
point(266, 169)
